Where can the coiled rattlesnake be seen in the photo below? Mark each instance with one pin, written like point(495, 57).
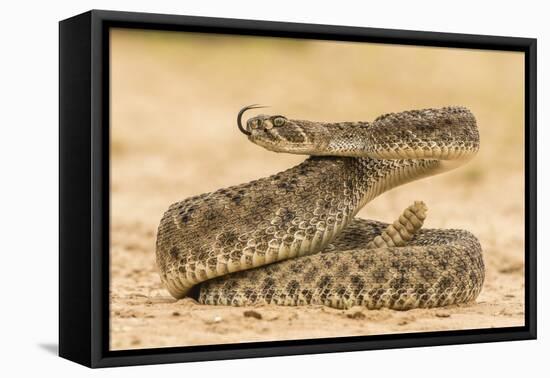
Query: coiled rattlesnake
point(293, 239)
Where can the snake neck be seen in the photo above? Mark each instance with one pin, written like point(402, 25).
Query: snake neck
point(367, 178)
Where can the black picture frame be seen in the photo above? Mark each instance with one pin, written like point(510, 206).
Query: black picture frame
point(84, 187)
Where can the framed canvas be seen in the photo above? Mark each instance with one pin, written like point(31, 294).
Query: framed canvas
point(385, 199)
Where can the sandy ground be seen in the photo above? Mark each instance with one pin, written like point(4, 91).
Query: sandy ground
point(174, 102)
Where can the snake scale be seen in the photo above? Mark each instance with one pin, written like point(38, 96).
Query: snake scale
point(293, 239)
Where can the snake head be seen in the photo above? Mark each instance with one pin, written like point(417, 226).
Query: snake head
point(280, 134)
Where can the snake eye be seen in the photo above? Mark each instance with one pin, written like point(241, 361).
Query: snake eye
point(279, 121)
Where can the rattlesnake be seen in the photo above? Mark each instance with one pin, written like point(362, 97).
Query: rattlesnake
point(292, 238)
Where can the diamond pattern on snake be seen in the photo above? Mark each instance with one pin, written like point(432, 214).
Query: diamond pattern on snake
point(293, 238)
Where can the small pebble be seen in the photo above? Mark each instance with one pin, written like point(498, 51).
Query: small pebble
point(137, 295)
point(356, 315)
point(442, 315)
point(175, 313)
point(252, 314)
point(214, 320)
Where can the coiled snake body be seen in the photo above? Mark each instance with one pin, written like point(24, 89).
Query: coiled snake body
point(293, 239)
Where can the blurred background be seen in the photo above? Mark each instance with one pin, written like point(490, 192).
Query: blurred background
point(174, 102)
